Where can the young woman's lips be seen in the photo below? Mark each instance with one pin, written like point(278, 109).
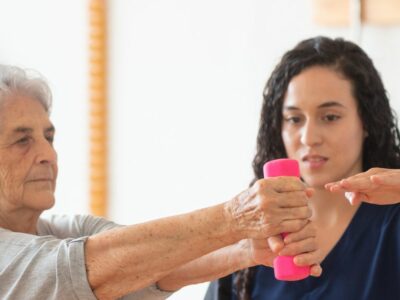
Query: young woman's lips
point(314, 161)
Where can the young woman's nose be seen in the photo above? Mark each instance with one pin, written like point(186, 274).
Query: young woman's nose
point(310, 134)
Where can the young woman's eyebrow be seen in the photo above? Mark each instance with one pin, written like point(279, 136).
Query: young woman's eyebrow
point(331, 104)
point(323, 105)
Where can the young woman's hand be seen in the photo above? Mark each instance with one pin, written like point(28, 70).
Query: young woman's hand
point(377, 186)
point(302, 245)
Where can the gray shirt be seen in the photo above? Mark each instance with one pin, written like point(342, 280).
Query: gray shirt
point(51, 265)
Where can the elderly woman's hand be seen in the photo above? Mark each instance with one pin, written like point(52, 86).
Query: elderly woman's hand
point(377, 186)
point(271, 206)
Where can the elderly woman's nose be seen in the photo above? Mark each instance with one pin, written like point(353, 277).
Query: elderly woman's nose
point(45, 152)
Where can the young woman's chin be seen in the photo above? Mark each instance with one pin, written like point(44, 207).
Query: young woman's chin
point(316, 182)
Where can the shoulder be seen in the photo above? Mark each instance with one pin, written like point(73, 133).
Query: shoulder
point(10, 239)
point(58, 261)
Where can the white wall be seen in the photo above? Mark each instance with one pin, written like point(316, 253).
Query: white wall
point(185, 93)
point(51, 37)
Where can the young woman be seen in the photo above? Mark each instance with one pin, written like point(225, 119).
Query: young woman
point(325, 105)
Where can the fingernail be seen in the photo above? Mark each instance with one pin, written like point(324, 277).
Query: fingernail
point(349, 196)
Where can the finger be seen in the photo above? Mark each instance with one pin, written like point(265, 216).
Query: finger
point(344, 183)
point(334, 183)
point(307, 232)
point(307, 259)
point(354, 185)
point(289, 226)
point(292, 213)
point(331, 184)
point(296, 248)
point(275, 243)
point(284, 184)
point(334, 187)
point(292, 199)
point(316, 270)
point(357, 184)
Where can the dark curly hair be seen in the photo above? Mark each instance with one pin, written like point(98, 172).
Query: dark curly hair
point(381, 146)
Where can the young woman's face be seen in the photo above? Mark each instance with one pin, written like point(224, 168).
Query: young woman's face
point(321, 127)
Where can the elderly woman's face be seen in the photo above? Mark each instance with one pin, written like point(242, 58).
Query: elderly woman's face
point(28, 161)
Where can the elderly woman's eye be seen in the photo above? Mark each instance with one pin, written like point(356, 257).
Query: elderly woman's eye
point(23, 141)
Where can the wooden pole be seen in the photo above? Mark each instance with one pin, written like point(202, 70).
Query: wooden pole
point(373, 12)
point(98, 106)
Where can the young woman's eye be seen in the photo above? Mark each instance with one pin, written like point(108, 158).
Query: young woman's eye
point(292, 120)
point(331, 118)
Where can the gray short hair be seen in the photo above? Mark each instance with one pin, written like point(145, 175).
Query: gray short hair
point(14, 80)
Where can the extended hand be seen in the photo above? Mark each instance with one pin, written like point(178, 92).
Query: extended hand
point(377, 186)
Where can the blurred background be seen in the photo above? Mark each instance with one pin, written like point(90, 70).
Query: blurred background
point(184, 83)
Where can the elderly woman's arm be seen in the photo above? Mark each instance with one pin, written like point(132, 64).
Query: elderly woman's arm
point(245, 254)
point(211, 266)
point(123, 260)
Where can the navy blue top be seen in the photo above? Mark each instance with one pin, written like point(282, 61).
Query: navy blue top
point(364, 264)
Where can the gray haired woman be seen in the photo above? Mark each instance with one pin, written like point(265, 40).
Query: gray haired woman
point(85, 257)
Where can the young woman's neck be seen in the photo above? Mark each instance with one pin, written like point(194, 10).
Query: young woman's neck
point(330, 208)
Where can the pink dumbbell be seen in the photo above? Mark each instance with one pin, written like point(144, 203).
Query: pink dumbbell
point(284, 267)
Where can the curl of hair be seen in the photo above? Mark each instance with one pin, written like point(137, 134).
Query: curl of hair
point(243, 284)
point(17, 81)
point(381, 146)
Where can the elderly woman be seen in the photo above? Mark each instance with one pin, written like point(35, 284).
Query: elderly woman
point(85, 257)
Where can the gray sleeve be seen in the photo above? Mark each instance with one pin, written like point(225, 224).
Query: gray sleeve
point(65, 226)
point(33, 267)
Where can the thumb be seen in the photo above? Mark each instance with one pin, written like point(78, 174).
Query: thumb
point(276, 243)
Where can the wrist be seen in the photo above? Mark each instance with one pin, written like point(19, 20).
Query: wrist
point(245, 254)
point(238, 216)
point(234, 230)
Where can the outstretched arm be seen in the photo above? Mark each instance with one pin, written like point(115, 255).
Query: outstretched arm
point(245, 254)
point(127, 259)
